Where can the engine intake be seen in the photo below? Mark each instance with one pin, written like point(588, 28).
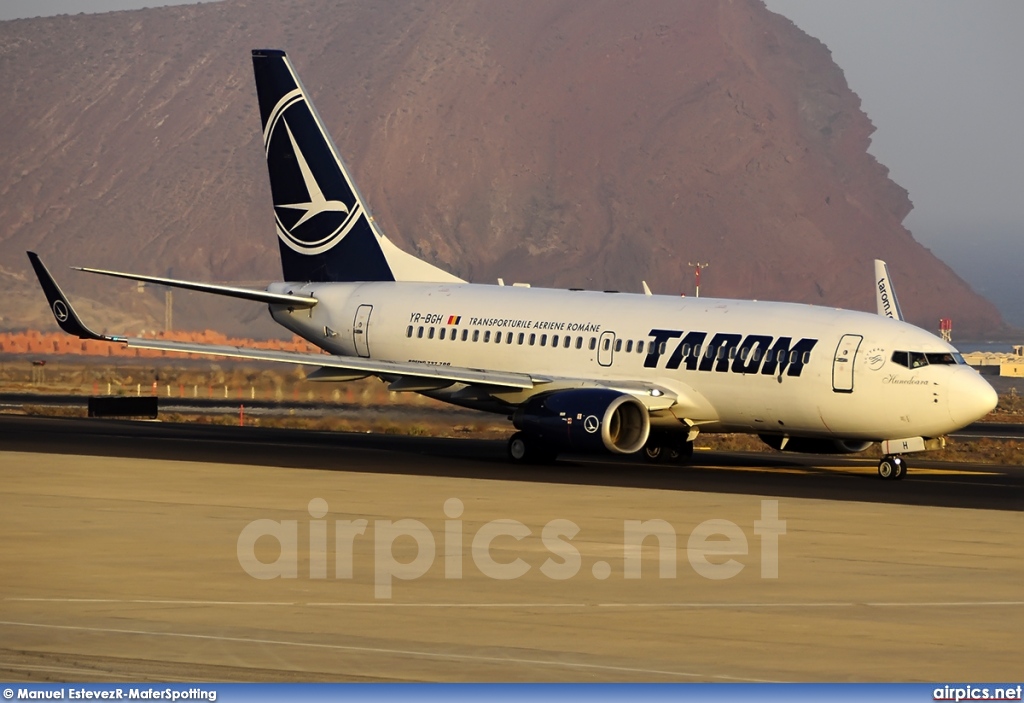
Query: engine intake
point(586, 419)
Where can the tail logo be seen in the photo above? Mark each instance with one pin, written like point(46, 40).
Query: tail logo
point(60, 311)
point(308, 187)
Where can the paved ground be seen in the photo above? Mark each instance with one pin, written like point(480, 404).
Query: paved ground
point(118, 564)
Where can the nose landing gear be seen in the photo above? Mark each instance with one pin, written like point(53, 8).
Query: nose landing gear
point(892, 467)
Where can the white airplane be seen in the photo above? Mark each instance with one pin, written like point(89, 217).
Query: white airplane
point(579, 371)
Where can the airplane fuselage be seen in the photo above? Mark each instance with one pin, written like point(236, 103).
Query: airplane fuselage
point(731, 365)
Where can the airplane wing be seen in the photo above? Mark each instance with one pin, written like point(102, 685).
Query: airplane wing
point(403, 375)
point(71, 323)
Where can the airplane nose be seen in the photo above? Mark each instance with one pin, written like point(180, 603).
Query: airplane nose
point(971, 397)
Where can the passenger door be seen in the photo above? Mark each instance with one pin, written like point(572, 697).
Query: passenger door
point(843, 363)
point(360, 330)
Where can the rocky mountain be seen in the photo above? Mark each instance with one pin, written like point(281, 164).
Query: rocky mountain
point(559, 142)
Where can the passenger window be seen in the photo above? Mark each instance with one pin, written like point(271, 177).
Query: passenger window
point(579, 342)
point(807, 358)
point(419, 333)
point(566, 341)
point(794, 356)
point(543, 340)
point(440, 335)
point(521, 338)
point(618, 345)
point(607, 344)
point(465, 335)
point(662, 348)
point(487, 336)
point(640, 347)
point(744, 353)
point(430, 333)
point(508, 338)
point(757, 354)
point(732, 352)
point(593, 344)
point(696, 351)
point(476, 335)
point(408, 331)
point(533, 339)
point(629, 346)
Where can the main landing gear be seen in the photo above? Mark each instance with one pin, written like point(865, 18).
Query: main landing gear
point(892, 467)
point(528, 449)
point(661, 449)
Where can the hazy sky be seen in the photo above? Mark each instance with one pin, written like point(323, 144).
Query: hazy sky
point(13, 9)
point(939, 80)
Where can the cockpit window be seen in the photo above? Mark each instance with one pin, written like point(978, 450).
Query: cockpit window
point(915, 360)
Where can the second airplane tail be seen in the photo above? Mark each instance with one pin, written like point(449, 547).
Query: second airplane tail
point(324, 229)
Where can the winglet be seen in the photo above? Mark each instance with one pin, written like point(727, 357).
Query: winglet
point(65, 315)
point(885, 294)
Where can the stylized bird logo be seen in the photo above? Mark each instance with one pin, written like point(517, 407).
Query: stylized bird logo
point(317, 202)
point(60, 311)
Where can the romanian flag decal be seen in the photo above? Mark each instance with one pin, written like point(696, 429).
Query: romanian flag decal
point(454, 319)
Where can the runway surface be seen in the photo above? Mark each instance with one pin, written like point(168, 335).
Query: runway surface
point(125, 548)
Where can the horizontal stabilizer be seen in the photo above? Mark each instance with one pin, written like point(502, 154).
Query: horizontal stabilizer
point(260, 296)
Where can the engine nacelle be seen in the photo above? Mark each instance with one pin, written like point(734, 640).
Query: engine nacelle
point(814, 445)
point(586, 419)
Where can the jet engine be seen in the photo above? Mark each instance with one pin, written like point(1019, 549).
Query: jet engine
point(814, 445)
point(586, 419)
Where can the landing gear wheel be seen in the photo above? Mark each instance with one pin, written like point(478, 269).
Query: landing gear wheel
point(525, 449)
point(892, 468)
point(518, 448)
point(684, 453)
point(654, 452)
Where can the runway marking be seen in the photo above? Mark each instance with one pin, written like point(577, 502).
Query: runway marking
point(60, 670)
point(391, 604)
point(143, 601)
point(383, 650)
point(96, 673)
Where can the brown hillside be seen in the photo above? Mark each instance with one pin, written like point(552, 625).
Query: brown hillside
point(558, 142)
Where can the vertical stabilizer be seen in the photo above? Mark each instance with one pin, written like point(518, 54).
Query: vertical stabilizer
point(324, 229)
point(885, 294)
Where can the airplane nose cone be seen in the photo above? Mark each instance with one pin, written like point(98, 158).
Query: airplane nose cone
point(971, 398)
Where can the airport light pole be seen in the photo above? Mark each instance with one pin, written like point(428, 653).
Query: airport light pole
point(696, 274)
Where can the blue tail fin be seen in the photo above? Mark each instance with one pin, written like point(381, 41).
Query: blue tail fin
point(324, 230)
